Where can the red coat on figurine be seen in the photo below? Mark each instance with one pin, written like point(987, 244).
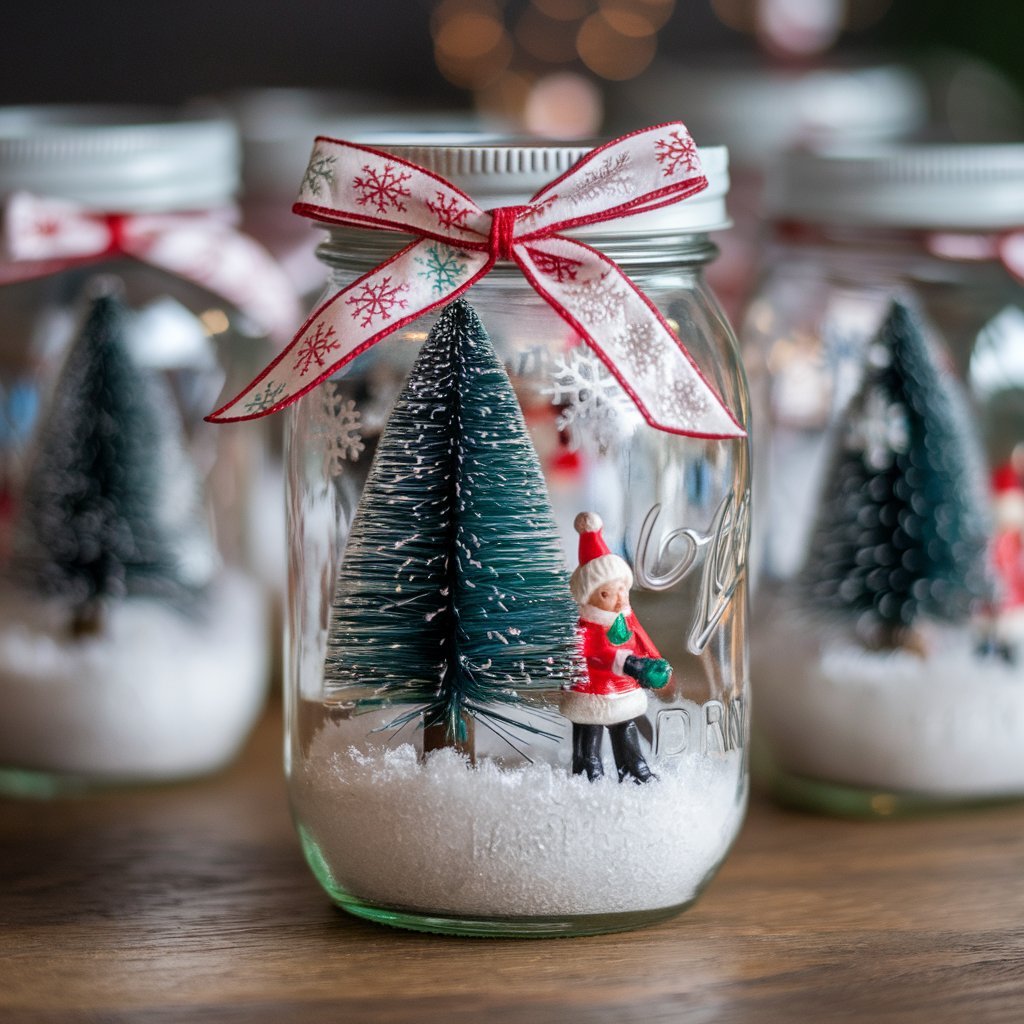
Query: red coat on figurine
point(621, 661)
point(1007, 555)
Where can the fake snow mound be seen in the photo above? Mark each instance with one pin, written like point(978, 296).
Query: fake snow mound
point(157, 696)
point(949, 725)
point(439, 836)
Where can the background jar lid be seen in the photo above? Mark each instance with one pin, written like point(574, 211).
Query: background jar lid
point(496, 173)
point(921, 186)
point(759, 111)
point(131, 160)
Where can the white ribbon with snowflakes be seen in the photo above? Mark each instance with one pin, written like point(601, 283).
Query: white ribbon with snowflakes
point(42, 235)
point(457, 243)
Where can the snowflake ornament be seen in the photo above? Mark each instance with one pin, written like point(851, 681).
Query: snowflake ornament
point(376, 300)
point(337, 425)
point(320, 173)
point(675, 151)
point(382, 188)
point(594, 410)
point(881, 433)
point(443, 267)
point(262, 400)
point(314, 349)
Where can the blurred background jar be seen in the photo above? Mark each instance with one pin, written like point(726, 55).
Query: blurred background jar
point(884, 341)
point(540, 837)
point(759, 111)
point(275, 126)
point(133, 644)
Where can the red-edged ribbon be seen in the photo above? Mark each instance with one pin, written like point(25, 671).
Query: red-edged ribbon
point(43, 235)
point(1005, 246)
point(457, 243)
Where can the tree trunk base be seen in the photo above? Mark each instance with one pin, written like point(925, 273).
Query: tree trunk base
point(435, 737)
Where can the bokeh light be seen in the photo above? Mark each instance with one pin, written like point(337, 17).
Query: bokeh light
point(609, 53)
point(637, 17)
point(799, 27)
point(564, 10)
point(472, 47)
point(564, 105)
point(545, 38)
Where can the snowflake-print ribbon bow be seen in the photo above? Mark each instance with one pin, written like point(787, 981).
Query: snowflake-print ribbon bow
point(43, 235)
point(457, 243)
point(1006, 246)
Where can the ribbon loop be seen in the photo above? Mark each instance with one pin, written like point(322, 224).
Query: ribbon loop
point(43, 235)
point(458, 243)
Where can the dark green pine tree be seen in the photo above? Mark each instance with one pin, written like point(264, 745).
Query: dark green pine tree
point(452, 595)
point(902, 527)
point(111, 503)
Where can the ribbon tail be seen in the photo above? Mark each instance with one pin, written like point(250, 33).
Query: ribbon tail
point(629, 335)
point(1011, 251)
point(226, 262)
point(420, 277)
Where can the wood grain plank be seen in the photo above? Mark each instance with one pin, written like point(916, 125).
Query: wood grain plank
point(193, 903)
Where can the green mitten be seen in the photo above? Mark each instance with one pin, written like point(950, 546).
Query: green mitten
point(655, 673)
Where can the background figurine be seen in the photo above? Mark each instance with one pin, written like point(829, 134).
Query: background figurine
point(1005, 620)
point(621, 660)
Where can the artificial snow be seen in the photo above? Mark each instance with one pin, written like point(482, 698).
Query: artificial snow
point(948, 725)
point(156, 696)
point(441, 836)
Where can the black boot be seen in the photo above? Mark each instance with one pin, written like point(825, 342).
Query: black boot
point(586, 750)
point(628, 757)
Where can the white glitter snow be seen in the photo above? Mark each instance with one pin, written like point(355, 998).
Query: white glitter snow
point(530, 841)
point(950, 725)
point(158, 696)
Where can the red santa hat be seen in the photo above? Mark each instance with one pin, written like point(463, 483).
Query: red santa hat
point(1008, 496)
point(597, 564)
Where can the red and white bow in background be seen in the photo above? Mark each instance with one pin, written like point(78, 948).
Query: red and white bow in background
point(43, 235)
point(1005, 246)
point(457, 243)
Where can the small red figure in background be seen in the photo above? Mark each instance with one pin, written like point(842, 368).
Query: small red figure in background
point(621, 661)
point(1007, 627)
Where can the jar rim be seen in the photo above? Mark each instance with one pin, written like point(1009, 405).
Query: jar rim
point(497, 171)
point(913, 186)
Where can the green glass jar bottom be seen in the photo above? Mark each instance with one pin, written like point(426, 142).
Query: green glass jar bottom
point(842, 800)
point(506, 927)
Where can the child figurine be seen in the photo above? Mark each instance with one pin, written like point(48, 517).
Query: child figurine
point(621, 661)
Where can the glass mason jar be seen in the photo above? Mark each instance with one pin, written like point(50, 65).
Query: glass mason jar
point(886, 640)
point(133, 643)
point(538, 836)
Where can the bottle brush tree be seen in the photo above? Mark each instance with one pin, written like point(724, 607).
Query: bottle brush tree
point(111, 503)
point(452, 595)
point(902, 528)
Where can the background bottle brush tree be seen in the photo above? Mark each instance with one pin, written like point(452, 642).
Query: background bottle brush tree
point(111, 505)
point(452, 596)
point(902, 529)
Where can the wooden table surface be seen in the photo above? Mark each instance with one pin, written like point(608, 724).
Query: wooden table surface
point(193, 903)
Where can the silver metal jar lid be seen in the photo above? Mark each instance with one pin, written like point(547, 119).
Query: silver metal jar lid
point(494, 173)
point(118, 158)
point(928, 186)
point(759, 111)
